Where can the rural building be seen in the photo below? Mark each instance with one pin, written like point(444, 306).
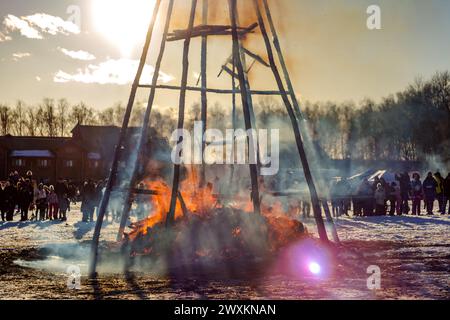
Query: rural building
point(85, 155)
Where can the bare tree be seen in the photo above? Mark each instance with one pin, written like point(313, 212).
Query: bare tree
point(32, 121)
point(49, 117)
point(62, 117)
point(5, 118)
point(83, 115)
point(106, 117)
point(19, 118)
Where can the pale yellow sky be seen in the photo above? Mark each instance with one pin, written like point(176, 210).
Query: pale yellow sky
point(331, 53)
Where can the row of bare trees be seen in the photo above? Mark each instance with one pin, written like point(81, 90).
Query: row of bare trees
point(406, 126)
point(409, 125)
point(56, 117)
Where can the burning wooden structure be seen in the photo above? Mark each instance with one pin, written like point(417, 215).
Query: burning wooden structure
point(236, 67)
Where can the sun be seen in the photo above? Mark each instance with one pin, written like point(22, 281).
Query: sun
point(123, 22)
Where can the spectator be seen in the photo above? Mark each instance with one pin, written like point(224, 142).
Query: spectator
point(40, 197)
point(429, 189)
point(88, 201)
point(405, 188)
point(25, 198)
point(446, 194)
point(53, 204)
point(64, 206)
point(10, 200)
point(334, 197)
point(416, 194)
point(440, 191)
point(3, 207)
point(29, 175)
point(395, 199)
point(61, 189)
point(380, 200)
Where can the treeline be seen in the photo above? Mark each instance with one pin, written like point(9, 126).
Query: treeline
point(404, 126)
point(58, 117)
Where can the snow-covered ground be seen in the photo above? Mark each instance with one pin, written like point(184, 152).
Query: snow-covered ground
point(419, 229)
point(413, 253)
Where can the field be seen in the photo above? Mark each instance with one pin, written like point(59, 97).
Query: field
point(413, 254)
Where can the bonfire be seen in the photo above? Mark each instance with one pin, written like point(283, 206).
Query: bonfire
point(206, 227)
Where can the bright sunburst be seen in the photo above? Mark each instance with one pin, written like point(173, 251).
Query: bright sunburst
point(124, 22)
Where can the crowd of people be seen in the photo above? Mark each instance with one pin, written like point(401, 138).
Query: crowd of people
point(405, 195)
point(35, 200)
point(39, 201)
point(32, 200)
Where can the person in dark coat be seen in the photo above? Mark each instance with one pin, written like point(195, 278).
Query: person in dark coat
point(88, 201)
point(64, 206)
point(61, 189)
point(405, 189)
point(25, 198)
point(10, 200)
point(416, 194)
point(429, 190)
point(3, 207)
point(446, 194)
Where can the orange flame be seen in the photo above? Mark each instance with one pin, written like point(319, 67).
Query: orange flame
point(202, 202)
point(198, 201)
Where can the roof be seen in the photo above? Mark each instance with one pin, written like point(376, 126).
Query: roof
point(32, 154)
point(32, 143)
point(98, 141)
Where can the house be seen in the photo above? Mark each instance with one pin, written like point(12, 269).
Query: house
point(86, 155)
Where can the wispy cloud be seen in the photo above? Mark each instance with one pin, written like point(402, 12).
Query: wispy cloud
point(36, 25)
point(51, 24)
point(112, 71)
point(78, 55)
point(19, 55)
point(4, 37)
point(14, 23)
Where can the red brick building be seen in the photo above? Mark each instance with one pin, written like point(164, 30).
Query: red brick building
point(86, 155)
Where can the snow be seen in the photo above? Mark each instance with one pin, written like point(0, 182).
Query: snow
point(412, 252)
point(420, 229)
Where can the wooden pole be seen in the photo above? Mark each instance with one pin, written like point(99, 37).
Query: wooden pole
point(276, 43)
point(212, 90)
point(308, 176)
point(182, 104)
point(117, 153)
point(144, 134)
point(245, 103)
point(330, 221)
point(233, 120)
point(297, 109)
point(204, 113)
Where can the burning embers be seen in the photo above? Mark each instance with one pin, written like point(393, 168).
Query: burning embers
point(209, 228)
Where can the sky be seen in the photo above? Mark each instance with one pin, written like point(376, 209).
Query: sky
point(88, 50)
